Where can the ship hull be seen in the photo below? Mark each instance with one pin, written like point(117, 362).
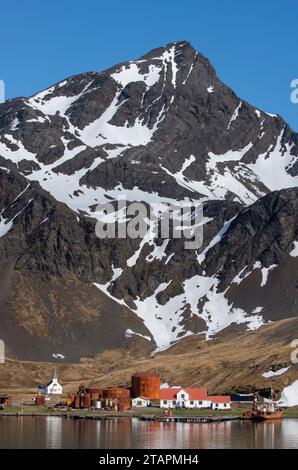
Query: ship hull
point(266, 416)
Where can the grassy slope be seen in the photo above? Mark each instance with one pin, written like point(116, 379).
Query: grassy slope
point(235, 360)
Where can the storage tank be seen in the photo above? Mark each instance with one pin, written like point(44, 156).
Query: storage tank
point(95, 392)
point(82, 400)
point(97, 404)
point(40, 400)
point(87, 400)
point(146, 385)
point(124, 404)
point(105, 403)
point(77, 402)
point(112, 393)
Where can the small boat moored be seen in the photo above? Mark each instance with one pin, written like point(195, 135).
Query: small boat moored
point(262, 411)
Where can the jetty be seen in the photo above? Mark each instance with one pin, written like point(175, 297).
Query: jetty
point(190, 419)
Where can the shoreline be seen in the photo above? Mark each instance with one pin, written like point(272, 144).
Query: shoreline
point(215, 417)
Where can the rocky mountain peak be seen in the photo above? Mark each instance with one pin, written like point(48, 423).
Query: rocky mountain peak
point(180, 49)
point(164, 129)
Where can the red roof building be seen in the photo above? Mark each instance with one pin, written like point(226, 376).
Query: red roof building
point(174, 397)
point(220, 399)
point(220, 402)
point(178, 397)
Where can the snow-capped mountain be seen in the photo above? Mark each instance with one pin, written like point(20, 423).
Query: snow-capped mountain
point(160, 129)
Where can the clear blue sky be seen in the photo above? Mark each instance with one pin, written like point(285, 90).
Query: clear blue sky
point(253, 44)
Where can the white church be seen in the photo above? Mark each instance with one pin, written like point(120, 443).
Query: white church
point(51, 388)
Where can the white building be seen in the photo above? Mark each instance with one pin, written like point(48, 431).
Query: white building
point(220, 402)
point(176, 397)
point(140, 402)
point(51, 388)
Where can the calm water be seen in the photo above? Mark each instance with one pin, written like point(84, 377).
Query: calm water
point(54, 432)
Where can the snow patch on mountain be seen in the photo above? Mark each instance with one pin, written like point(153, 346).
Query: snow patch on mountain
point(131, 73)
point(100, 131)
point(190, 70)
point(51, 106)
point(169, 56)
point(5, 226)
point(294, 252)
point(245, 272)
point(15, 124)
point(271, 167)
point(216, 239)
point(194, 186)
point(158, 252)
point(271, 373)
point(258, 309)
point(58, 356)
point(265, 272)
point(241, 276)
point(289, 395)
point(15, 155)
point(129, 333)
point(235, 115)
point(165, 322)
point(39, 119)
point(105, 287)
point(68, 154)
point(7, 170)
point(230, 178)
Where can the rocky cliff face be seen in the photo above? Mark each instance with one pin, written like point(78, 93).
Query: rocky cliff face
point(161, 129)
